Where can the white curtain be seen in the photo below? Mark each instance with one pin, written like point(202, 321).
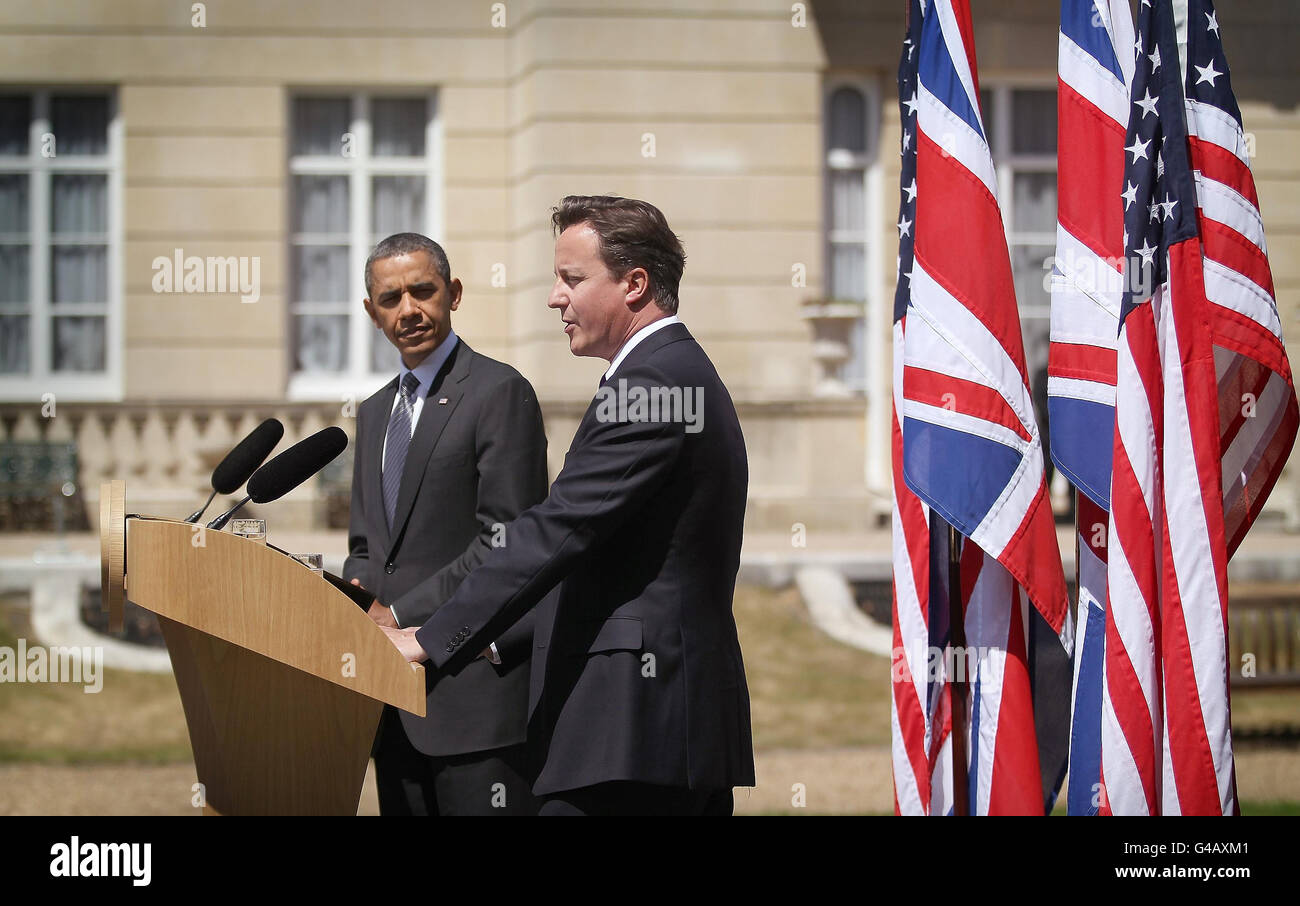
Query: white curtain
point(15, 263)
point(78, 263)
point(79, 344)
point(396, 205)
point(321, 205)
point(320, 272)
point(397, 126)
point(321, 343)
point(319, 125)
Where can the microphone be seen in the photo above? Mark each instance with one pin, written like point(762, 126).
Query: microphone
point(290, 469)
point(231, 473)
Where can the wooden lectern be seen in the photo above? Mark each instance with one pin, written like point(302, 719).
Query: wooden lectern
point(282, 676)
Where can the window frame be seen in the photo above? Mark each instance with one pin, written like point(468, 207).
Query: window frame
point(41, 378)
point(358, 378)
point(871, 236)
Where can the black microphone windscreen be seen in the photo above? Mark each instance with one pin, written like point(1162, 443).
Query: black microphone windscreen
point(296, 464)
point(241, 462)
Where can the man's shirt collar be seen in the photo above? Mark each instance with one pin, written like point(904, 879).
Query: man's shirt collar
point(427, 370)
point(636, 338)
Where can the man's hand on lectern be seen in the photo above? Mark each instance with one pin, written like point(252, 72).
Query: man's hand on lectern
point(404, 640)
point(382, 615)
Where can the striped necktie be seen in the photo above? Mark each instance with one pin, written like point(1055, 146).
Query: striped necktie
point(399, 439)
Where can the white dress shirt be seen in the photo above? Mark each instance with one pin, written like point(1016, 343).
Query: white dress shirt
point(637, 338)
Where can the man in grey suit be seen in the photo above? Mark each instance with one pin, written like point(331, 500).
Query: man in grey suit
point(447, 453)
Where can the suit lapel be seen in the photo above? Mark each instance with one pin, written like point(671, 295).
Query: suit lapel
point(374, 453)
point(447, 385)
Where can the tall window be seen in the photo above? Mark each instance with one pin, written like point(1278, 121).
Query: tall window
point(1021, 123)
point(850, 154)
point(362, 167)
point(60, 239)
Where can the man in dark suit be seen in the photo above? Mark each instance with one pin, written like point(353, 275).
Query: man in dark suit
point(447, 453)
point(638, 703)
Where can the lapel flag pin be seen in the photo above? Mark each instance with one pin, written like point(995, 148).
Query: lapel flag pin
point(443, 401)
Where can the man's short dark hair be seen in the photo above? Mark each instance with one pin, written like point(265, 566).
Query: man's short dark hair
point(405, 244)
point(632, 233)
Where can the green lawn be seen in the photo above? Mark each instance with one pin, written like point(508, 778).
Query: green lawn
point(807, 692)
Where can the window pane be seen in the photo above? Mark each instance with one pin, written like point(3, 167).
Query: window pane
point(319, 124)
point(848, 201)
point(1033, 122)
point(1034, 203)
point(1031, 276)
point(397, 205)
point(320, 273)
point(15, 275)
point(78, 344)
point(13, 204)
point(15, 343)
point(80, 124)
point(847, 120)
point(78, 273)
point(321, 343)
point(80, 203)
point(383, 357)
point(320, 204)
point(15, 120)
point(397, 126)
point(848, 273)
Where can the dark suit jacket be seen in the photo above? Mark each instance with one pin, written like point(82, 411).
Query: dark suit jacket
point(474, 464)
point(637, 671)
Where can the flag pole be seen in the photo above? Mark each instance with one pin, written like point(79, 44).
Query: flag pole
point(957, 640)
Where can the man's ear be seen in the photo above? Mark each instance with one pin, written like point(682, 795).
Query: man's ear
point(454, 289)
point(370, 310)
point(638, 288)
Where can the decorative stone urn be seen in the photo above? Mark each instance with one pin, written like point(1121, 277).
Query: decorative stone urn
point(832, 321)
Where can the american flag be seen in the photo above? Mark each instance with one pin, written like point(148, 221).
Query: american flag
point(1205, 416)
point(921, 698)
point(969, 444)
point(1095, 50)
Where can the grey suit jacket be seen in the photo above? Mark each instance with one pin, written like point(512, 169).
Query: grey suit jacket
point(477, 460)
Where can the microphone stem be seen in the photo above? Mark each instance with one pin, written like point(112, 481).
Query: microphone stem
point(220, 522)
point(198, 514)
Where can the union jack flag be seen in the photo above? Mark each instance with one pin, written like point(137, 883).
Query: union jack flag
point(1205, 416)
point(966, 439)
point(1095, 68)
